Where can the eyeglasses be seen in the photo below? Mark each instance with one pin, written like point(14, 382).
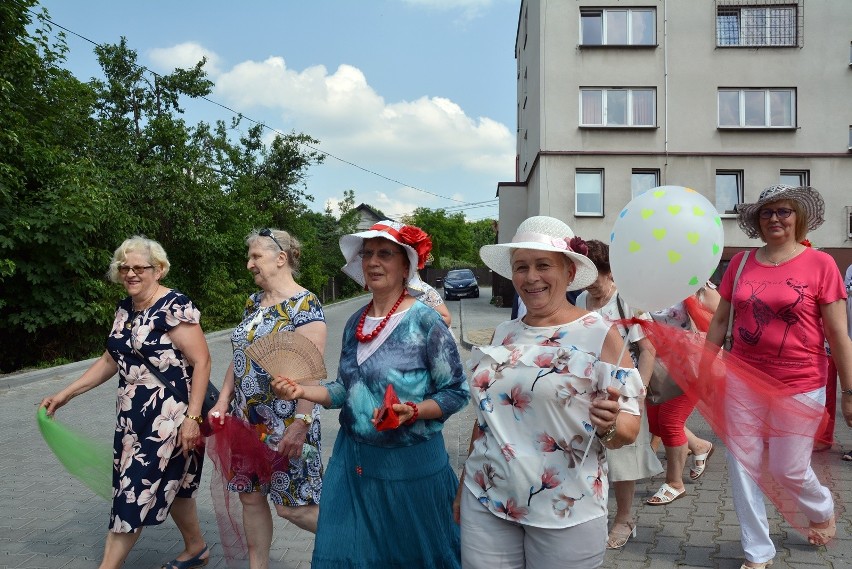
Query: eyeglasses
point(382, 254)
point(266, 232)
point(138, 269)
point(781, 212)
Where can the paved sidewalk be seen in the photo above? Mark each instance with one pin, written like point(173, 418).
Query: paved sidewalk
point(50, 520)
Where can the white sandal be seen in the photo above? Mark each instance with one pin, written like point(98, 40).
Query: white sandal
point(665, 495)
point(698, 469)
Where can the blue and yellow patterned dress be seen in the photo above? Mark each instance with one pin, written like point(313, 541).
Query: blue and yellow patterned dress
point(296, 482)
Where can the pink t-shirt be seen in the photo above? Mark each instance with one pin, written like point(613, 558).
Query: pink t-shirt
point(777, 321)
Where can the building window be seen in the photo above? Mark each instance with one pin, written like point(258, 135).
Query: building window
point(618, 27)
point(618, 107)
point(795, 178)
point(643, 180)
point(774, 25)
point(757, 108)
point(729, 190)
point(588, 192)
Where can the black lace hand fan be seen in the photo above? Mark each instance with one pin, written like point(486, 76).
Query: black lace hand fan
point(288, 354)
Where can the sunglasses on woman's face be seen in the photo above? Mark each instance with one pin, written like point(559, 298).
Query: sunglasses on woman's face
point(266, 232)
point(781, 212)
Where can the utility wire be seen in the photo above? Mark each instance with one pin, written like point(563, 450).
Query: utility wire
point(264, 125)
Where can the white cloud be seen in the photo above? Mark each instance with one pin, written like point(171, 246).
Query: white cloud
point(354, 122)
point(185, 55)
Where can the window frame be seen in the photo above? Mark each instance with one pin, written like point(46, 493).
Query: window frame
point(743, 96)
point(587, 13)
point(643, 171)
point(739, 181)
point(605, 106)
point(586, 171)
point(803, 177)
point(765, 20)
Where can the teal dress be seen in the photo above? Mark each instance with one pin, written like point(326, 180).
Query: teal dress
point(388, 495)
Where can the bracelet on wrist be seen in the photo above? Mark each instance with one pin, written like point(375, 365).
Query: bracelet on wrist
point(416, 413)
point(197, 418)
point(607, 436)
point(846, 391)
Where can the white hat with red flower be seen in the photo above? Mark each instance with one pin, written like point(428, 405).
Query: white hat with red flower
point(414, 240)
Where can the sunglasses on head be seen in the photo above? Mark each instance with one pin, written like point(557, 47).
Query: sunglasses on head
point(781, 212)
point(266, 232)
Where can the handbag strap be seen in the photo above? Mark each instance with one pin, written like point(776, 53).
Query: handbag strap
point(168, 384)
point(728, 334)
point(623, 317)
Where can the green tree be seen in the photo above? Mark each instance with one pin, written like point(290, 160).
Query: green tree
point(53, 206)
point(451, 237)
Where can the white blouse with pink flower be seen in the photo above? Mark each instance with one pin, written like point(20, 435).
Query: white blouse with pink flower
point(533, 388)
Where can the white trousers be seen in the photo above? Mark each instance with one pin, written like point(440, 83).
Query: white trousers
point(490, 542)
point(789, 462)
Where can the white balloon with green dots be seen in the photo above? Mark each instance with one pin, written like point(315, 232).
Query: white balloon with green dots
point(664, 246)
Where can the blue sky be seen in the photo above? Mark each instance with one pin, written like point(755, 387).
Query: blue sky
point(419, 91)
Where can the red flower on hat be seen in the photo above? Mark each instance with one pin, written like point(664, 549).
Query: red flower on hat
point(418, 240)
point(577, 245)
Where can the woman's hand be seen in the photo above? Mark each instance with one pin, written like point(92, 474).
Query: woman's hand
point(294, 438)
point(604, 411)
point(218, 412)
point(189, 436)
point(54, 402)
point(403, 412)
point(457, 500)
point(287, 389)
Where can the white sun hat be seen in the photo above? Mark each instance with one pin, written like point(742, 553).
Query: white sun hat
point(414, 240)
point(543, 233)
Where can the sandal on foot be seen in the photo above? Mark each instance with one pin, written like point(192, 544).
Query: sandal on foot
point(665, 495)
point(821, 536)
point(192, 563)
point(763, 565)
point(698, 469)
point(848, 455)
point(618, 539)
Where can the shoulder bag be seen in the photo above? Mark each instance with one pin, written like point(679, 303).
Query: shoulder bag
point(632, 346)
point(729, 335)
point(210, 397)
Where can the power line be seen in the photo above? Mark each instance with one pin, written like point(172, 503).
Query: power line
point(264, 125)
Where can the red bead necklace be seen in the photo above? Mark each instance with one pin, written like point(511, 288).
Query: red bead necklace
point(359, 331)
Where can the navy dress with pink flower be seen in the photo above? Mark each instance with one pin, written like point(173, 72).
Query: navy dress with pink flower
point(149, 470)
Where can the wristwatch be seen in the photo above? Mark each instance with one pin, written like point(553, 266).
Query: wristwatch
point(307, 419)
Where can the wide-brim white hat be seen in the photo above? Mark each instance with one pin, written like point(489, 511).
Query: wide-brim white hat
point(807, 197)
point(542, 233)
point(399, 233)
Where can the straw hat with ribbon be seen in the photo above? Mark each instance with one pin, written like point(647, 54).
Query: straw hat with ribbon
point(808, 199)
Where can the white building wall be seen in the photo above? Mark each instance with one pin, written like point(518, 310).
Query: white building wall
point(686, 69)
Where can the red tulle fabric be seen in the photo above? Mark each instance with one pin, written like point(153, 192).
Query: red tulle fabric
point(748, 410)
point(699, 313)
point(235, 448)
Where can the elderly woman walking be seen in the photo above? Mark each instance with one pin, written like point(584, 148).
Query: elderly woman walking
point(548, 390)
point(787, 299)
point(158, 449)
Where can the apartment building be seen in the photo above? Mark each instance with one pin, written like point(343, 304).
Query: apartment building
point(724, 96)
